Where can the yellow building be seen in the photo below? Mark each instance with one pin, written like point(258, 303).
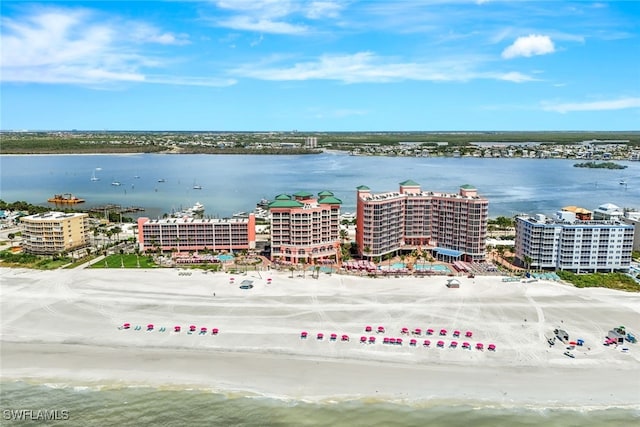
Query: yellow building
point(52, 233)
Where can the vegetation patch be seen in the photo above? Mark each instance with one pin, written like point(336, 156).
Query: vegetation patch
point(125, 261)
point(23, 260)
point(602, 165)
point(619, 281)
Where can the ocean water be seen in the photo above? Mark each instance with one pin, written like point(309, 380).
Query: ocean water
point(118, 405)
point(235, 183)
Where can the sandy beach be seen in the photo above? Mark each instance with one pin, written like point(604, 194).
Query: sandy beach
point(66, 326)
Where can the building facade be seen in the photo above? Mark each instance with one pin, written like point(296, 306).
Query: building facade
point(54, 232)
point(193, 234)
point(304, 228)
point(452, 226)
point(565, 243)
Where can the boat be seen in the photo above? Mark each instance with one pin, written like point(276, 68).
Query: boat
point(116, 184)
point(197, 187)
point(66, 198)
point(161, 180)
point(196, 211)
point(94, 177)
point(623, 182)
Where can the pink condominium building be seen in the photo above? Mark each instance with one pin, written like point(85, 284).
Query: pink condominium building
point(451, 226)
point(304, 228)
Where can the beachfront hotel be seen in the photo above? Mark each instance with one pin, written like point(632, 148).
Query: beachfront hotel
point(193, 234)
point(53, 233)
point(564, 242)
point(452, 226)
point(304, 228)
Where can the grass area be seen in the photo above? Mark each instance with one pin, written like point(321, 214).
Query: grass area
point(125, 261)
point(21, 260)
point(618, 281)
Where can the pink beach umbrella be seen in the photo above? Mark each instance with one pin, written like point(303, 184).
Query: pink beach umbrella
point(479, 346)
point(492, 347)
point(176, 329)
point(392, 340)
point(192, 328)
point(429, 331)
point(426, 343)
point(413, 342)
point(386, 340)
point(303, 334)
point(466, 345)
point(150, 327)
point(468, 334)
point(126, 325)
point(320, 336)
point(456, 333)
point(380, 329)
point(443, 332)
point(334, 337)
point(399, 341)
point(345, 338)
point(453, 344)
point(440, 343)
point(368, 329)
point(405, 330)
point(372, 340)
point(417, 331)
point(363, 339)
point(215, 331)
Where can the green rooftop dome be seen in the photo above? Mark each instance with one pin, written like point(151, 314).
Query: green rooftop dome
point(362, 187)
point(468, 187)
point(409, 183)
point(330, 200)
point(303, 194)
point(325, 193)
point(283, 197)
point(285, 203)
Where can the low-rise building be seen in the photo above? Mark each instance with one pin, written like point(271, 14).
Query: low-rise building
point(53, 233)
point(194, 234)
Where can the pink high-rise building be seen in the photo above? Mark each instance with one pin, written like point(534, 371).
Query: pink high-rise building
point(304, 228)
point(452, 226)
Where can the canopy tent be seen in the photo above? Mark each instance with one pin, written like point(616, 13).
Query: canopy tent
point(447, 254)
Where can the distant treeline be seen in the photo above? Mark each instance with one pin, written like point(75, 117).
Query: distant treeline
point(86, 142)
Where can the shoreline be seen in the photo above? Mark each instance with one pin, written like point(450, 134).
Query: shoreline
point(63, 326)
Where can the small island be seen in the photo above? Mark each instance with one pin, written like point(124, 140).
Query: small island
point(602, 165)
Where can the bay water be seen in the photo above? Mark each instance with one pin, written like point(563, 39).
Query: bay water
point(235, 183)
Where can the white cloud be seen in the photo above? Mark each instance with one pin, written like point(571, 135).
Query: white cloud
point(273, 16)
point(249, 23)
point(615, 104)
point(75, 46)
point(533, 44)
point(366, 67)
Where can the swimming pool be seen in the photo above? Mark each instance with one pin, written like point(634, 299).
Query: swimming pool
point(432, 267)
point(224, 258)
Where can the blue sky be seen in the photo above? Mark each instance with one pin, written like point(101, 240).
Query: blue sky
point(320, 65)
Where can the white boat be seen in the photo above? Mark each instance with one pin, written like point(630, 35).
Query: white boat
point(161, 180)
point(116, 184)
point(196, 186)
point(94, 177)
point(623, 182)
